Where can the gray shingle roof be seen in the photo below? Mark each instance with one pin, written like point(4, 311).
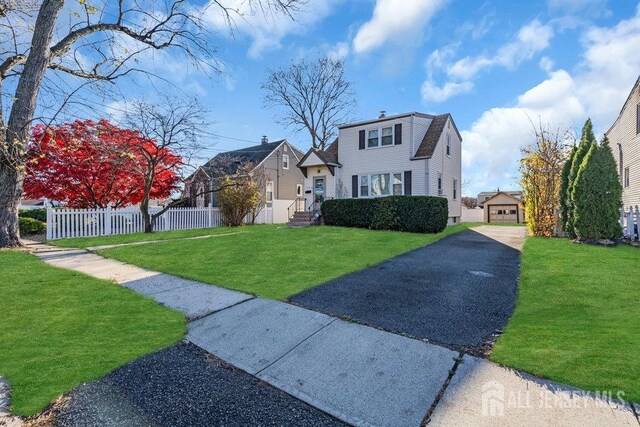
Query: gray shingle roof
point(254, 154)
point(432, 136)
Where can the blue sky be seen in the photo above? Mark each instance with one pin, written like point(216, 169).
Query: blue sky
point(493, 64)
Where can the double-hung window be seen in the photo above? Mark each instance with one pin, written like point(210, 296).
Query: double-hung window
point(387, 136)
point(364, 186)
point(373, 139)
point(397, 184)
point(448, 145)
point(285, 161)
point(626, 177)
point(439, 184)
point(269, 191)
point(455, 189)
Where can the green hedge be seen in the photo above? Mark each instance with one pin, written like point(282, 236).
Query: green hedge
point(31, 226)
point(39, 213)
point(417, 214)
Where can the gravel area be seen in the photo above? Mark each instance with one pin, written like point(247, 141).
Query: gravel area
point(183, 386)
point(459, 291)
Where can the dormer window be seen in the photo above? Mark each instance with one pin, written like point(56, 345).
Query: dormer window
point(381, 137)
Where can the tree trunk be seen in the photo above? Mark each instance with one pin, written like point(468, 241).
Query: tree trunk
point(10, 193)
point(147, 220)
point(12, 159)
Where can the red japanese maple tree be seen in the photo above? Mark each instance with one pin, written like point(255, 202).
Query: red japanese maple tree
point(87, 164)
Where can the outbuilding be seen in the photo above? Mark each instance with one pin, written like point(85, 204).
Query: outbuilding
point(504, 208)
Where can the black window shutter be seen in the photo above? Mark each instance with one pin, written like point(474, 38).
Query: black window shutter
point(407, 183)
point(354, 186)
point(398, 134)
point(361, 140)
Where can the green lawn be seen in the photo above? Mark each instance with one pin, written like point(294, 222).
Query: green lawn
point(87, 242)
point(577, 320)
point(61, 328)
point(274, 261)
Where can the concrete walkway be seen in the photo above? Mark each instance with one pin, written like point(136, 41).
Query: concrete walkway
point(359, 374)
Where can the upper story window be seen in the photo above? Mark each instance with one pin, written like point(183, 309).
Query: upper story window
point(455, 189)
point(381, 137)
point(285, 161)
point(626, 177)
point(448, 145)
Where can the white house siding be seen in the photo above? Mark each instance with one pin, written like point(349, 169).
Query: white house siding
point(450, 167)
point(393, 158)
point(623, 132)
point(330, 183)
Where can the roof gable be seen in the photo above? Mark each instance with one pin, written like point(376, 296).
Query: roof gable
point(502, 193)
point(432, 136)
point(624, 106)
point(254, 154)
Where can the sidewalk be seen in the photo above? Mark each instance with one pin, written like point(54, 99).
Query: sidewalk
point(359, 374)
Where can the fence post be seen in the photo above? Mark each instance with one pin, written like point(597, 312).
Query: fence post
point(107, 220)
point(49, 220)
point(210, 214)
point(167, 220)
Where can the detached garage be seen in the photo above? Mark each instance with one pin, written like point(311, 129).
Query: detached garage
point(504, 208)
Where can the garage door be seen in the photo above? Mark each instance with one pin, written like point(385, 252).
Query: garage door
point(503, 213)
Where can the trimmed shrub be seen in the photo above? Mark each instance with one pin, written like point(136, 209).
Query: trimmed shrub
point(587, 140)
point(597, 196)
point(31, 226)
point(563, 197)
point(40, 214)
point(416, 214)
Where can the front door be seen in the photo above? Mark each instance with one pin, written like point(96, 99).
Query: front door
point(318, 191)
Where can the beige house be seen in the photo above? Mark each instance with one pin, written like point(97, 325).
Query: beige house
point(404, 154)
point(504, 208)
point(624, 137)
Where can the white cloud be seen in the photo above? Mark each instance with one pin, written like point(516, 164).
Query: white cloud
point(395, 21)
point(531, 39)
point(597, 89)
point(436, 93)
point(266, 30)
point(338, 51)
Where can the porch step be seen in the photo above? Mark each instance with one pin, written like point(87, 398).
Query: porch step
point(303, 219)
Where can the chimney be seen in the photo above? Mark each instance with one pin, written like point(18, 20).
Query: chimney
point(382, 114)
point(265, 140)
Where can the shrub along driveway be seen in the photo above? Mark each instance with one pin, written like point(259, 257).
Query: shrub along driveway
point(457, 291)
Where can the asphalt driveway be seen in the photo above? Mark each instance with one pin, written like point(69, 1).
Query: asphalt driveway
point(457, 291)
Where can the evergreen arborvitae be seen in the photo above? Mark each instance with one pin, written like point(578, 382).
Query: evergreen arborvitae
point(587, 140)
point(563, 195)
point(597, 195)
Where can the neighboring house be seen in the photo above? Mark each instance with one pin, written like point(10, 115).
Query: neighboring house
point(624, 137)
point(278, 158)
point(504, 207)
point(412, 154)
point(486, 195)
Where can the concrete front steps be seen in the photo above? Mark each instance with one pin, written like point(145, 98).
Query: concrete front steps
point(303, 219)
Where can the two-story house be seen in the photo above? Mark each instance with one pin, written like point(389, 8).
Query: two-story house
point(284, 181)
point(624, 137)
point(410, 154)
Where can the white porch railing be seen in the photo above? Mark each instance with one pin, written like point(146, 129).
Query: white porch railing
point(63, 223)
point(630, 221)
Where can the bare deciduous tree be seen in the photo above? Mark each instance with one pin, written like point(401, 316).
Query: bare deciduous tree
point(101, 43)
point(314, 95)
point(177, 127)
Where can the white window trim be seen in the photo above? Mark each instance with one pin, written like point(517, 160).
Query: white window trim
point(379, 129)
point(268, 189)
point(439, 183)
point(285, 156)
point(448, 148)
point(370, 196)
point(626, 177)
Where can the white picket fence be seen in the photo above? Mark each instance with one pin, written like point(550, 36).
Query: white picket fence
point(630, 221)
point(65, 223)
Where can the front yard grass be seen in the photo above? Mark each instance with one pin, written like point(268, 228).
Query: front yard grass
point(274, 261)
point(61, 329)
point(577, 320)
